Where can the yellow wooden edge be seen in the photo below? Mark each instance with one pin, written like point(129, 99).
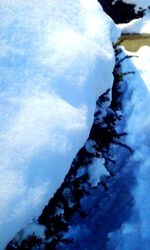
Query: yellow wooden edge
point(133, 42)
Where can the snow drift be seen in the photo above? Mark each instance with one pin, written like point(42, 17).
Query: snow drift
point(56, 58)
point(134, 234)
point(141, 25)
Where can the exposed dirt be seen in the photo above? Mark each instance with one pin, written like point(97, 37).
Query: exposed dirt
point(134, 41)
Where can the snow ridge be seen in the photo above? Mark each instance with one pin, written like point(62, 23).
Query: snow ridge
point(52, 63)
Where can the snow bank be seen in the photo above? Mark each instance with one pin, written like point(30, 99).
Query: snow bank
point(141, 25)
point(56, 58)
point(135, 233)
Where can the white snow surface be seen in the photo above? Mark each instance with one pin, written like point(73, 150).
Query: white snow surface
point(96, 171)
point(135, 233)
point(141, 25)
point(56, 58)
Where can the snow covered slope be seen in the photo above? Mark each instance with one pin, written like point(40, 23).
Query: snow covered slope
point(56, 58)
point(134, 234)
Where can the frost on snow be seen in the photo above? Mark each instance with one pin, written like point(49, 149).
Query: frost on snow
point(56, 58)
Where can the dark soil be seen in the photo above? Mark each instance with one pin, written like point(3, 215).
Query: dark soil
point(121, 12)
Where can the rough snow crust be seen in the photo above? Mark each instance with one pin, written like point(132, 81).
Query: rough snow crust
point(56, 58)
point(141, 25)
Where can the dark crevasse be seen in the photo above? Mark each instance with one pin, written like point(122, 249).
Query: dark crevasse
point(110, 204)
point(121, 12)
point(81, 215)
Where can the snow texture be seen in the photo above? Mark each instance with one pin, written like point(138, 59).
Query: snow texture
point(96, 171)
point(134, 234)
point(56, 58)
point(139, 26)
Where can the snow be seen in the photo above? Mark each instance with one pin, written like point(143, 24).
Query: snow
point(96, 171)
point(141, 25)
point(134, 234)
point(56, 59)
point(31, 229)
point(90, 146)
